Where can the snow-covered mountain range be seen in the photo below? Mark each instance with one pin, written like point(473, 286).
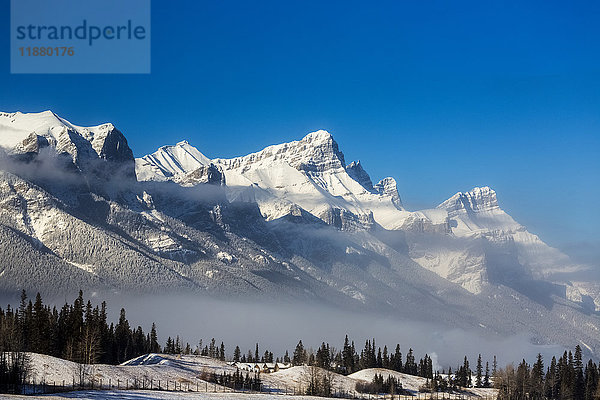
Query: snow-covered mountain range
point(311, 176)
point(292, 221)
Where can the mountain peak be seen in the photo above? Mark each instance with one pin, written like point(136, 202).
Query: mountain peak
point(314, 153)
point(318, 136)
point(43, 114)
point(24, 134)
point(476, 200)
point(171, 160)
point(357, 172)
point(389, 187)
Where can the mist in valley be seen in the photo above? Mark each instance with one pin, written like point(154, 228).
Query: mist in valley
point(278, 326)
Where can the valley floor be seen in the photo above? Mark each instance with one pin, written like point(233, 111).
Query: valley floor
point(186, 373)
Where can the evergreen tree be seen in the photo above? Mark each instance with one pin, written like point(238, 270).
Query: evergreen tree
point(348, 357)
point(591, 378)
point(299, 357)
point(154, 346)
point(578, 382)
point(410, 367)
point(522, 382)
point(123, 338)
point(397, 364)
point(463, 374)
point(551, 383)
point(479, 373)
point(23, 340)
point(177, 349)
point(322, 358)
point(537, 379)
point(212, 349)
point(386, 358)
point(39, 327)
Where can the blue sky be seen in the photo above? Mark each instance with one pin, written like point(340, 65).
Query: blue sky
point(443, 96)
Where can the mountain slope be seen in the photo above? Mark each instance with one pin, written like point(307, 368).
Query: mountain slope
point(310, 179)
point(292, 222)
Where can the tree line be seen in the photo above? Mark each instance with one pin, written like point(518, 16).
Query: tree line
point(81, 332)
point(567, 378)
point(77, 332)
point(348, 360)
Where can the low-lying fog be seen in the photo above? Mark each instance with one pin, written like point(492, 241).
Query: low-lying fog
point(279, 327)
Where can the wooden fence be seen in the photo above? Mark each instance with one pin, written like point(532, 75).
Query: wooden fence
point(199, 386)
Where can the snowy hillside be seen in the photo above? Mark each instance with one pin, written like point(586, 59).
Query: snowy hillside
point(193, 370)
point(180, 163)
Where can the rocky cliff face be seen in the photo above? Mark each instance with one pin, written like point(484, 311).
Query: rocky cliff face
point(101, 150)
point(310, 177)
point(357, 172)
point(389, 187)
point(477, 200)
point(317, 152)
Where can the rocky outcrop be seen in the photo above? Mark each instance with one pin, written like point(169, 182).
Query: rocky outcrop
point(388, 187)
point(477, 200)
point(357, 172)
point(101, 151)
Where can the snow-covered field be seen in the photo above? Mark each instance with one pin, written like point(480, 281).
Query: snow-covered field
point(150, 394)
point(147, 394)
point(187, 371)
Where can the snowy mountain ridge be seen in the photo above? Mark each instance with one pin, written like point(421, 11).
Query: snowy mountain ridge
point(478, 199)
point(26, 135)
point(23, 133)
point(311, 175)
point(304, 178)
point(291, 221)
